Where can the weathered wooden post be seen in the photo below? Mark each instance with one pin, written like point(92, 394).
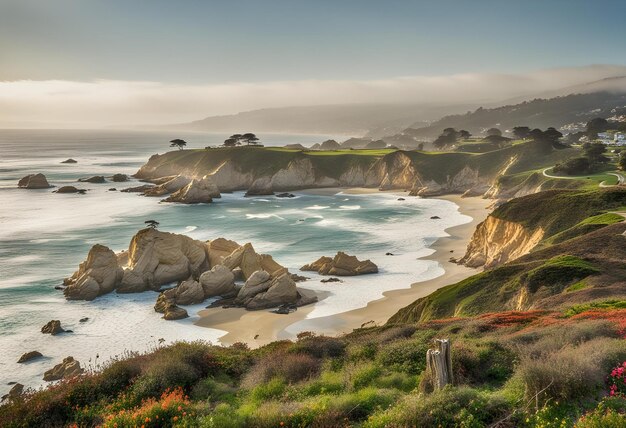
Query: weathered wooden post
point(439, 365)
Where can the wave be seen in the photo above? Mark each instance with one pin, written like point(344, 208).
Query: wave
point(350, 207)
point(317, 207)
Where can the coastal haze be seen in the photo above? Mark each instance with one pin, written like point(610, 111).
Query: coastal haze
point(231, 214)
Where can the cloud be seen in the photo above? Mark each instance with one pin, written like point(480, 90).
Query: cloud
point(102, 103)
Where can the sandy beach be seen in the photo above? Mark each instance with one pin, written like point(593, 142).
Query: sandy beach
point(262, 327)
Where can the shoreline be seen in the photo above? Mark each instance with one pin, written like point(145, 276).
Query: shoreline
point(261, 327)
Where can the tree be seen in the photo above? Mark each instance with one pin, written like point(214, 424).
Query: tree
point(521, 132)
point(231, 142)
point(594, 126)
point(622, 161)
point(447, 138)
point(463, 134)
point(595, 152)
point(152, 224)
point(178, 143)
point(574, 166)
point(552, 135)
point(494, 131)
point(574, 137)
point(249, 138)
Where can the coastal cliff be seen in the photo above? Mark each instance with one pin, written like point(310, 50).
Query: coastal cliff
point(264, 170)
point(496, 241)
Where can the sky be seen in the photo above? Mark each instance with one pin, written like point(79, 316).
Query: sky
point(66, 52)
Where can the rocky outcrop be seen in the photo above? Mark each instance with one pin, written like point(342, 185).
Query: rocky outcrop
point(394, 171)
point(166, 305)
point(67, 369)
point(139, 189)
point(219, 249)
point(119, 178)
point(170, 186)
point(14, 393)
point(28, 356)
point(341, 265)
point(95, 179)
point(196, 192)
point(52, 327)
point(219, 281)
point(34, 181)
point(247, 259)
point(468, 182)
point(261, 291)
point(70, 189)
point(330, 145)
point(70, 160)
point(157, 258)
point(496, 241)
point(98, 275)
point(189, 292)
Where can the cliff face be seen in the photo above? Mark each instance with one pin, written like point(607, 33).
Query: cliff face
point(264, 171)
point(498, 241)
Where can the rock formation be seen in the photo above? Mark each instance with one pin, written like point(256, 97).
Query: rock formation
point(119, 178)
point(341, 265)
point(52, 327)
point(138, 189)
point(70, 160)
point(34, 181)
point(261, 291)
point(157, 258)
point(98, 275)
point(95, 179)
point(173, 184)
point(496, 241)
point(196, 192)
point(219, 281)
point(70, 189)
point(166, 305)
point(29, 356)
point(249, 261)
point(67, 369)
point(14, 393)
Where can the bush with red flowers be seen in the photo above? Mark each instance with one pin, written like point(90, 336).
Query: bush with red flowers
point(617, 381)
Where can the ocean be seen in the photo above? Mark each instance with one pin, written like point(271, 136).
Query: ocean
point(44, 236)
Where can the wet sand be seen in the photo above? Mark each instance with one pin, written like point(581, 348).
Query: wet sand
point(261, 327)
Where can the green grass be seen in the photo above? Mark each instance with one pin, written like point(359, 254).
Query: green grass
point(607, 305)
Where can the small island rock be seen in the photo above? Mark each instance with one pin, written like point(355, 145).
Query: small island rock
point(29, 356)
point(70, 189)
point(34, 181)
point(70, 160)
point(95, 179)
point(68, 368)
point(341, 265)
point(119, 178)
point(52, 327)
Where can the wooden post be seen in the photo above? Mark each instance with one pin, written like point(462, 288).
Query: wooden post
point(439, 364)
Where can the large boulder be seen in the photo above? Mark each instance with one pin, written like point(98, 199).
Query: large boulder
point(170, 186)
point(70, 189)
point(29, 356)
point(196, 192)
point(166, 305)
point(34, 181)
point(258, 282)
point(250, 261)
point(94, 179)
point(219, 281)
point(157, 258)
point(341, 265)
point(67, 369)
point(14, 393)
point(189, 292)
point(52, 327)
point(282, 290)
point(99, 274)
point(219, 249)
point(119, 178)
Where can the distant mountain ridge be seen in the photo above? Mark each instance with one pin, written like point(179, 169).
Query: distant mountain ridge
point(559, 112)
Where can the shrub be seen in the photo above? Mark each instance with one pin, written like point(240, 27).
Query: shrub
point(400, 381)
point(570, 373)
point(464, 407)
point(319, 346)
point(290, 367)
point(364, 375)
point(328, 382)
point(476, 362)
point(266, 391)
point(610, 413)
point(404, 355)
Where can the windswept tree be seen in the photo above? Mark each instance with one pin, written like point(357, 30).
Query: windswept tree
point(521, 132)
point(152, 224)
point(493, 131)
point(463, 134)
point(231, 142)
point(447, 138)
point(552, 135)
point(178, 143)
point(595, 152)
point(250, 139)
